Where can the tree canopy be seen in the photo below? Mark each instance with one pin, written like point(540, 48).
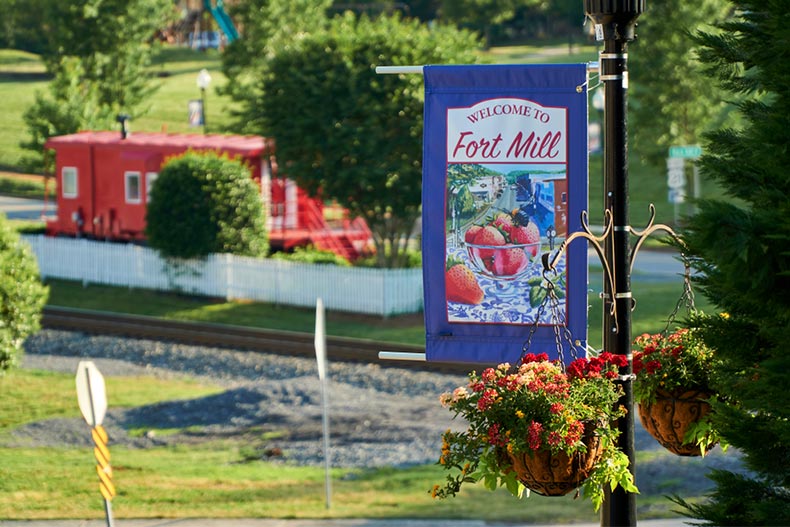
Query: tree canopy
point(672, 101)
point(346, 133)
point(98, 52)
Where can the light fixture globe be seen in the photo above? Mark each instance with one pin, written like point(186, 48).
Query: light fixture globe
point(203, 79)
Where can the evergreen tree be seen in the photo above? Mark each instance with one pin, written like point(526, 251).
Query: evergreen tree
point(741, 247)
point(98, 53)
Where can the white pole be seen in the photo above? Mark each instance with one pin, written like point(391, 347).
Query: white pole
point(320, 354)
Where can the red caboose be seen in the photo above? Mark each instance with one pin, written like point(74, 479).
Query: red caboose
point(104, 180)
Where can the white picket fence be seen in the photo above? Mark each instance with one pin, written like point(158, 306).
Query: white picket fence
point(358, 290)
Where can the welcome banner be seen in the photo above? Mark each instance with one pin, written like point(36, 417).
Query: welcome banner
point(504, 181)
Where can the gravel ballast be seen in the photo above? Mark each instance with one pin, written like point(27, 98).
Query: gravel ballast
point(379, 416)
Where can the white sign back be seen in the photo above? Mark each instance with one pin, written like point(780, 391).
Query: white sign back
point(320, 338)
point(91, 394)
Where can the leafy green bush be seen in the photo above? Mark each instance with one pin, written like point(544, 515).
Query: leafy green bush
point(22, 293)
point(411, 258)
point(311, 255)
point(204, 203)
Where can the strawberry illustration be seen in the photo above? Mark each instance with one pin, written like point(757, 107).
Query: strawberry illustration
point(489, 235)
point(510, 262)
point(460, 284)
point(526, 234)
point(503, 220)
point(471, 232)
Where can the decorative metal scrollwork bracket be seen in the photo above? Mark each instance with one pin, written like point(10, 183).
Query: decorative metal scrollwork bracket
point(607, 261)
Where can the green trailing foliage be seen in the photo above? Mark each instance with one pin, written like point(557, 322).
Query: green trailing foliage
point(742, 250)
point(204, 203)
point(21, 292)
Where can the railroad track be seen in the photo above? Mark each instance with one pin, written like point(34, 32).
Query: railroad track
point(289, 343)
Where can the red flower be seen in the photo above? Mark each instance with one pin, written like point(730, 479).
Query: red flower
point(531, 357)
point(575, 431)
point(577, 368)
point(486, 400)
point(652, 366)
point(557, 408)
point(554, 438)
point(533, 435)
point(494, 437)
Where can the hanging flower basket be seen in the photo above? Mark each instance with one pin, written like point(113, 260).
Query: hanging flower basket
point(539, 426)
point(557, 474)
point(670, 416)
point(671, 390)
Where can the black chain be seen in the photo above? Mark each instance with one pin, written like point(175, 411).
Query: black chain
point(556, 319)
point(686, 298)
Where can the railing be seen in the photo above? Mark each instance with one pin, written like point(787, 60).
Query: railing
point(358, 290)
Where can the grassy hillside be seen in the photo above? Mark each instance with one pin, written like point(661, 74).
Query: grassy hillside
point(22, 76)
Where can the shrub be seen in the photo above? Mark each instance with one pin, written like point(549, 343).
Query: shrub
point(22, 293)
point(311, 255)
point(204, 203)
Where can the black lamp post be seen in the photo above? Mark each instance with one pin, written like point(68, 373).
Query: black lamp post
point(615, 23)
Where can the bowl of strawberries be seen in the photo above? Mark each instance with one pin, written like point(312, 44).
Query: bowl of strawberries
point(503, 248)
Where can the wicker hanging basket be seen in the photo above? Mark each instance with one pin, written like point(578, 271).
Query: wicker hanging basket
point(669, 417)
point(556, 474)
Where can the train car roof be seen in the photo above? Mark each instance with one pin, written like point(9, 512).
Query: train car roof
point(247, 145)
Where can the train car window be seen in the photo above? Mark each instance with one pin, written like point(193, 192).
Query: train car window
point(150, 177)
point(69, 182)
point(132, 187)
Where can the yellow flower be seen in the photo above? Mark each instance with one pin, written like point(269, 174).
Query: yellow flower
point(510, 448)
point(519, 414)
point(435, 491)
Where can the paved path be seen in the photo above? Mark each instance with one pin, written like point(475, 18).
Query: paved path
point(26, 209)
point(648, 263)
point(198, 522)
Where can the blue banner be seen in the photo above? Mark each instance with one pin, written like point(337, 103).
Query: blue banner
point(504, 181)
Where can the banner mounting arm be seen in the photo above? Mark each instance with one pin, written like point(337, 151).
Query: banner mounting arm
point(402, 355)
point(408, 70)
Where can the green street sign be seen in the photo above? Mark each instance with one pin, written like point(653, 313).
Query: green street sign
point(685, 151)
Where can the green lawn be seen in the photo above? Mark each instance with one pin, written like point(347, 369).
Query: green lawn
point(220, 479)
point(21, 76)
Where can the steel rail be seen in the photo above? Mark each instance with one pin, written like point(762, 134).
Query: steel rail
point(289, 343)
